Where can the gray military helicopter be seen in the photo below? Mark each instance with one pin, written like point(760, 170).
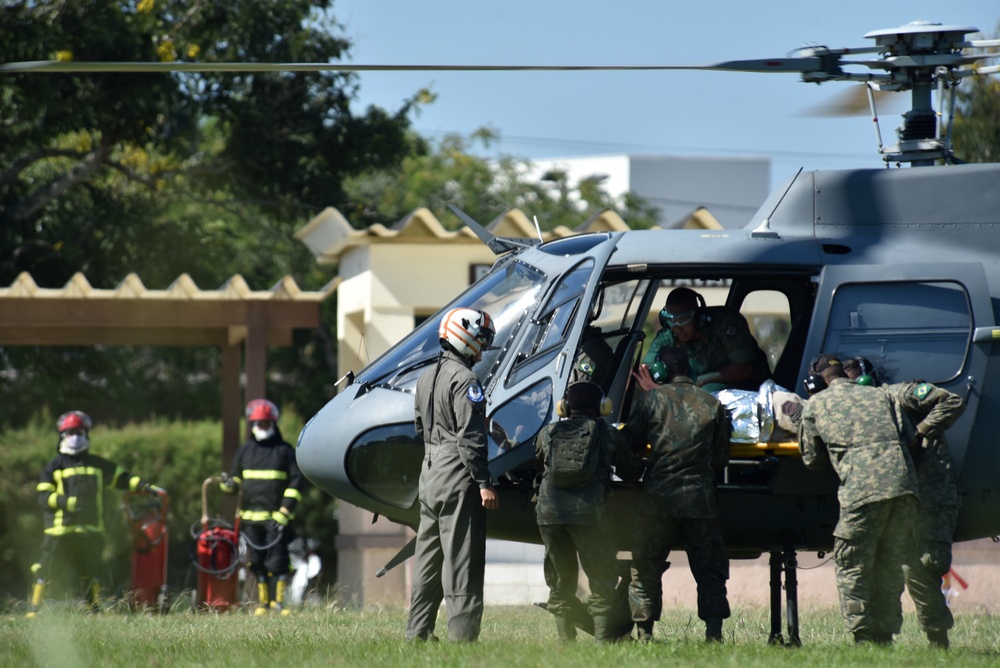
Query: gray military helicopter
point(898, 265)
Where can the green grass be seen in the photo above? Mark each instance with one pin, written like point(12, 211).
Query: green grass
point(328, 636)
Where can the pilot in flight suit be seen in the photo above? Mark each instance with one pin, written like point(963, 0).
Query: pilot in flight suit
point(455, 484)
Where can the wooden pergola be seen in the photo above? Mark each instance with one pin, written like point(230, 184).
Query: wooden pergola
point(234, 318)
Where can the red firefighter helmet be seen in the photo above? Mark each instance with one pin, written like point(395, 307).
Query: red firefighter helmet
point(262, 409)
point(73, 420)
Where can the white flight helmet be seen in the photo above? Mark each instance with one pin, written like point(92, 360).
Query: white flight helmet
point(468, 330)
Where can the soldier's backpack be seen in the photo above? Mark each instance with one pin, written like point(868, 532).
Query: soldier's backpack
point(574, 453)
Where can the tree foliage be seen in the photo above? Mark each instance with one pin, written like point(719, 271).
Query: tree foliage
point(977, 122)
point(161, 174)
point(450, 172)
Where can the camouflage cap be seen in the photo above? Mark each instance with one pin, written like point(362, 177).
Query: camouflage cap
point(824, 362)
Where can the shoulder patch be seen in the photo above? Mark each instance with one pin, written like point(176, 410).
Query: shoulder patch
point(921, 390)
point(475, 392)
point(731, 330)
point(586, 367)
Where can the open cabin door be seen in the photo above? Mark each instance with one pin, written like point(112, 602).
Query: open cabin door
point(523, 392)
point(932, 322)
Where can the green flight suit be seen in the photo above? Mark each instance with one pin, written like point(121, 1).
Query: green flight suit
point(451, 538)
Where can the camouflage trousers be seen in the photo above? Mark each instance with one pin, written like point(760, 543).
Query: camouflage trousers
point(702, 540)
point(871, 543)
point(930, 562)
point(563, 542)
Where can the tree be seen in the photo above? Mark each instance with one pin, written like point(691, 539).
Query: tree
point(450, 173)
point(205, 173)
point(977, 121)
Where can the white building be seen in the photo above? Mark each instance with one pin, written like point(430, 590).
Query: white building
point(731, 188)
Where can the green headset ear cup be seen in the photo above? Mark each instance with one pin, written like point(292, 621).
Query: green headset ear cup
point(607, 406)
point(658, 371)
point(562, 408)
point(865, 380)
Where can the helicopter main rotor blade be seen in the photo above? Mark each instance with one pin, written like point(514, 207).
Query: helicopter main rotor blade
point(70, 66)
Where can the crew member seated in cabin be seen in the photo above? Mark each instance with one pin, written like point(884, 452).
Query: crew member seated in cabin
point(721, 350)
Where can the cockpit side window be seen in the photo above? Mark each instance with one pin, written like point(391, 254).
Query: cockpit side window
point(546, 332)
point(507, 295)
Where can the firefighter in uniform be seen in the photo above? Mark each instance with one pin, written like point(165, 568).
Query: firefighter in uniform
point(455, 484)
point(573, 520)
point(265, 469)
point(688, 430)
point(71, 492)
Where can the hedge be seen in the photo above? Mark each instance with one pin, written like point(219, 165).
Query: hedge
point(177, 456)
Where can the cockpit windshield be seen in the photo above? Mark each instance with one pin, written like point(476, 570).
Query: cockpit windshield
point(507, 294)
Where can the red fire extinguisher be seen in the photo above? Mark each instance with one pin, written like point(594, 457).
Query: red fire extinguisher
point(147, 519)
point(216, 556)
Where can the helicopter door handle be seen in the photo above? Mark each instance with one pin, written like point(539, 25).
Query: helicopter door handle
point(560, 361)
point(985, 334)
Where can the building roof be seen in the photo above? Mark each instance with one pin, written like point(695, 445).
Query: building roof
point(328, 234)
point(131, 314)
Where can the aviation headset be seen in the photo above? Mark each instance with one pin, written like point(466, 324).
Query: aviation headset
point(700, 313)
point(814, 381)
point(867, 369)
point(581, 394)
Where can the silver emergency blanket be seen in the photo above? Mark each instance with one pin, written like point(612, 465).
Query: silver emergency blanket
point(750, 413)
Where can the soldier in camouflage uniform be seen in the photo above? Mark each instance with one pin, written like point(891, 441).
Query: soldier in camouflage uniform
point(855, 428)
point(574, 521)
point(455, 484)
point(688, 430)
point(932, 410)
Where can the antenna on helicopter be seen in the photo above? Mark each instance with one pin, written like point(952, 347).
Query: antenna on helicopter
point(499, 245)
point(764, 231)
point(538, 229)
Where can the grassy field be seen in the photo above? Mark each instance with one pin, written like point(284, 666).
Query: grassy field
point(68, 638)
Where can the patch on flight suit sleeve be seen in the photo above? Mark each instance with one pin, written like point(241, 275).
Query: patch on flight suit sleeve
point(921, 391)
point(475, 392)
point(586, 367)
point(731, 330)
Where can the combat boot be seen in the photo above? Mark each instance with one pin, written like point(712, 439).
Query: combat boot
point(604, 629)
point(713, 629)
point(263, 597)
point(882, 638)
point(566, 629)
point(644, 631)
point(938, 639)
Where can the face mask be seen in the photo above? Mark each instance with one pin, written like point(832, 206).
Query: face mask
point(73, 444)
point(262, 434)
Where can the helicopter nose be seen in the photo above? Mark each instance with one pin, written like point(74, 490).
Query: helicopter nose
point(362, 447)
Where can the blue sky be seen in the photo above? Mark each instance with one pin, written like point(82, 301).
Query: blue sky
point(561, 114)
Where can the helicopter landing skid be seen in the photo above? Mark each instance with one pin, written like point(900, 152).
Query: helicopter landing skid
point(784, 561)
